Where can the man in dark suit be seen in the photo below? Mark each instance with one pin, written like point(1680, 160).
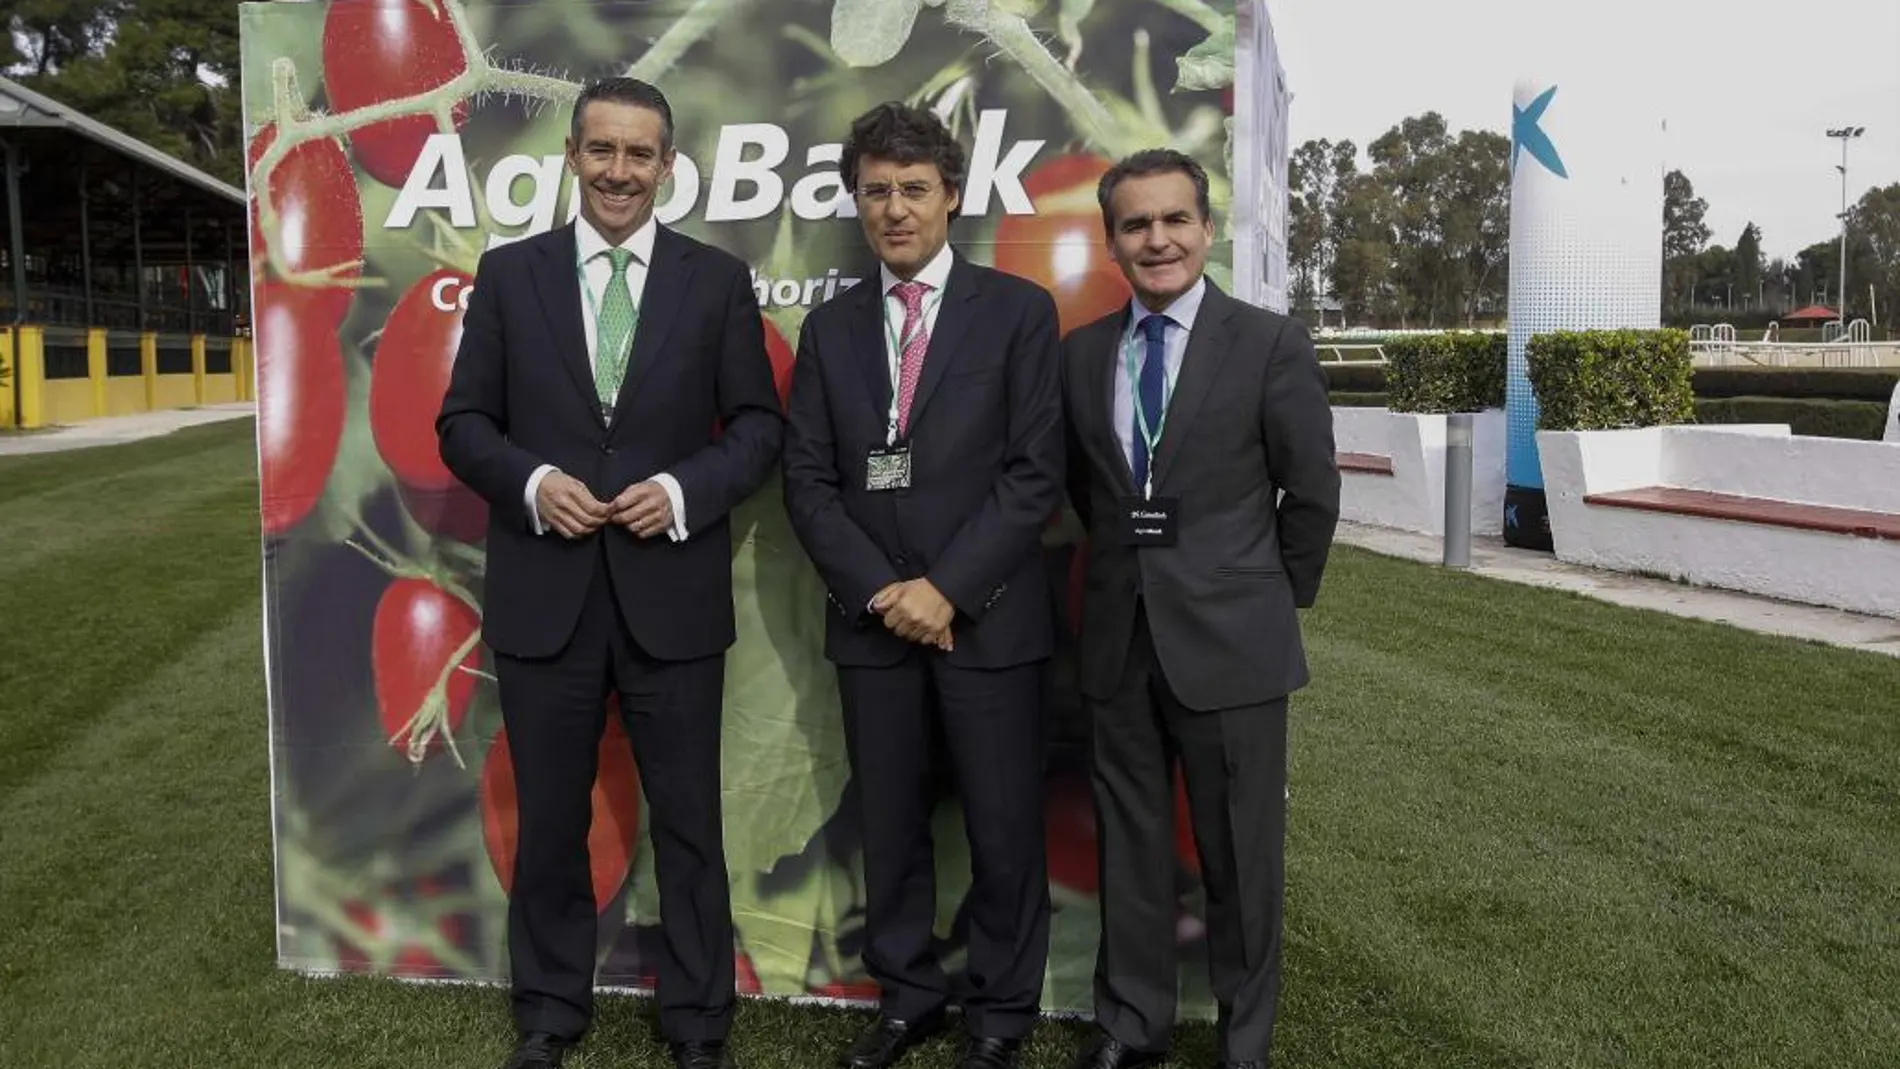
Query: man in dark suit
point(1201, 463)
point(923, 456)
point(595, 360)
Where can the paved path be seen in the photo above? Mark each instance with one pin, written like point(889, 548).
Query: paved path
point(1490, 557)
point(117, 429)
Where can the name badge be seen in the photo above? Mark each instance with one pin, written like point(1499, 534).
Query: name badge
point(887, 469)
point(1148, 521)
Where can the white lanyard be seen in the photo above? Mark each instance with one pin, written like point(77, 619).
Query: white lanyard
point(1150, 436)
point(895, 354)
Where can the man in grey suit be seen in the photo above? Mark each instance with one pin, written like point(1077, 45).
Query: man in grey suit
point(1201, 463)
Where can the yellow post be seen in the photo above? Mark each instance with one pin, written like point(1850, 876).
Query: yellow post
point(198, 369)
point(246, 370)
point(96, 368)
point(8, 417)
point(148, 366)
point(30, 361)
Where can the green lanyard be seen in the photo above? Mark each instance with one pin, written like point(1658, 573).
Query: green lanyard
point(593, 306)
point(1150, 436)
point(895, 356)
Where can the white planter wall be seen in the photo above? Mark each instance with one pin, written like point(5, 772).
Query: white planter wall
point(1817, 567)
point(1412, 498)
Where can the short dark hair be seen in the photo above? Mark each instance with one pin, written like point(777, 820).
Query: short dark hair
point(1148, 162)
point(904, 134)
point(625, 91)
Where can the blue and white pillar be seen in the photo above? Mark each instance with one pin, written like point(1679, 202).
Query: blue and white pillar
point(1586, 243)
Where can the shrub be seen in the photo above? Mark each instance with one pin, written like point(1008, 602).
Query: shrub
point(1833, 383)
point(1354, 399)
point(1460, 371)
point(1355, 378)
point(1608, 379)
point(1820, 417)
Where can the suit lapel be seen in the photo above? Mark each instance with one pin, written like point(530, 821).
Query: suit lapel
point(1101, 386)
point(668, 277)
point(1207, 347)
point(557, 282)
point(953, 321)
point(867, 346)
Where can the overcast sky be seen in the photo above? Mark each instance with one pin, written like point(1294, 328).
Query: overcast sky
point(1749, 88)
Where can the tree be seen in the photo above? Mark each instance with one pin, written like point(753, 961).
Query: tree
point(1873, 230)
point(1420, 239)
point(162, 71)
point(1749, 267)
point(1684, 236)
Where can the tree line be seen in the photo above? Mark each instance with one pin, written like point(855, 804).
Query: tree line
point(1421, 238)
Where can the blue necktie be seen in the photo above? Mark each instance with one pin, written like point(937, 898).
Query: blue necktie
point(1150, 390)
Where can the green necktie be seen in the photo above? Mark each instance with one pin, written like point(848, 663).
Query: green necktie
point(613, 331)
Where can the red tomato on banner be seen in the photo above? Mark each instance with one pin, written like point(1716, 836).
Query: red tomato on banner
point(319, 218)
point(300, 401)
point(381, 50)
point(1064, 247)
point(616, 805)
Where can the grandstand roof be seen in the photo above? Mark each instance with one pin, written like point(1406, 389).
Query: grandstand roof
point(22, 107)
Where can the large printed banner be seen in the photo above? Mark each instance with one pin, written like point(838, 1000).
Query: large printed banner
point(391, 141)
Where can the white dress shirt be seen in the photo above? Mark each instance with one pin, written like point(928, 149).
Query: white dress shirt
point(936, 275)
point(1182, 313)
point(597, 271)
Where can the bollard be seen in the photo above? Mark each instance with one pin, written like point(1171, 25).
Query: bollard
point(1458, 490)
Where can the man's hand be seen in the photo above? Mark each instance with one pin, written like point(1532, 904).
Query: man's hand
point(565, 503)
point(916, 612)
point(643, 509)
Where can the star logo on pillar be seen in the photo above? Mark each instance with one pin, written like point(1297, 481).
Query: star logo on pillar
point(1510, 516)
point(1528, 136)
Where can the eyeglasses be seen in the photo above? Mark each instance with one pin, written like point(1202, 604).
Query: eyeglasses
point(915, 192)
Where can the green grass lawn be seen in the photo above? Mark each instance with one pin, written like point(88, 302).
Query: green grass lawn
point(1527, 829)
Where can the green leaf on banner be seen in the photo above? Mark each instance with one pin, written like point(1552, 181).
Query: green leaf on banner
point(866, 33)
point(1222, 275)
point(1208, 65)
point(784, 763)
point(775, 930)
point(1069, 20)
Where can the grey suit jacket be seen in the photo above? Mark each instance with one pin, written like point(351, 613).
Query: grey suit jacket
point(1247, 450)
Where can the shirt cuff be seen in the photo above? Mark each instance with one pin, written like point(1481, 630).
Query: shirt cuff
point(530, 499)
point(677, 498)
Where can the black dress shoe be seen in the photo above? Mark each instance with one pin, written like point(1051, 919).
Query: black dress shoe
point(1251, 1063)
point(537, 1050)
point(701, 1056)
point(1107, 1052)
point(988, 1052)
point(887, 1040)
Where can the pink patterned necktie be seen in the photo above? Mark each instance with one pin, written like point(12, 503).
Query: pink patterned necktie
point(916, 341)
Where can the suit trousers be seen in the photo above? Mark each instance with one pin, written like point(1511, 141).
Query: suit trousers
point(992, 723)
point(1234, 762)
point(555, 711)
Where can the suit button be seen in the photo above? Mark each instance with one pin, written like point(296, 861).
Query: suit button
point(899, 560)
point(607, 449)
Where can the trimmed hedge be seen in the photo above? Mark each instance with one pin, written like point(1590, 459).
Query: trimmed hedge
point(1836, 383)
point(1354, 399)
point(1606, 379)
point(1355, 378)
point(1461, 371)
point(1819, 417)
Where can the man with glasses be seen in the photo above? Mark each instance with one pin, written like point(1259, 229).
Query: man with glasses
point(924, 454)
point(594, 361)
